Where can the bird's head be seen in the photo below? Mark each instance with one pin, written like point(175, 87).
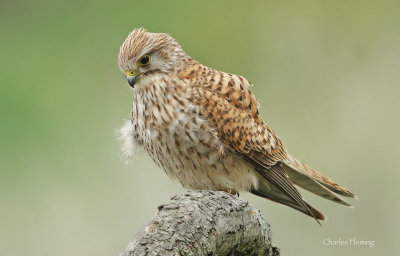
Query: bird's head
point(145, 54)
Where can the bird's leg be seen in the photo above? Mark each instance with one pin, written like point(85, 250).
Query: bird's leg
point(231, 191)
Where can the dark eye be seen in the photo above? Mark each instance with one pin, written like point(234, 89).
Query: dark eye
point(144, 61)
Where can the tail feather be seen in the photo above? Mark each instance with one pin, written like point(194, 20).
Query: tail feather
point(307, 178)
point(272, 193)
point(277, 184)
point(313, 186)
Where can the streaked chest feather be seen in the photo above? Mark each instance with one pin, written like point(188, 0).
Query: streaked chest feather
point(182, 142)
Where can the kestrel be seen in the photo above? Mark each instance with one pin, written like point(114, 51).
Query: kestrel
point(203, 127)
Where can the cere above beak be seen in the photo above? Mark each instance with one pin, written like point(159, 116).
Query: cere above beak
point(132, 77)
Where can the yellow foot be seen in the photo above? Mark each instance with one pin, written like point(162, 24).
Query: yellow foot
point(231, 191)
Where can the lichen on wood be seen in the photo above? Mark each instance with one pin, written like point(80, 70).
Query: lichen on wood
point(204, 223)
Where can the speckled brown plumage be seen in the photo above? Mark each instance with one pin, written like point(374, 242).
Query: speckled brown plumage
point(203, 128)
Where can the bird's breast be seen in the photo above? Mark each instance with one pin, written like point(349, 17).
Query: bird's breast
point(183, 143)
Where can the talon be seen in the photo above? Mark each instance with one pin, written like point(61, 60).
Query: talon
point(231, 191)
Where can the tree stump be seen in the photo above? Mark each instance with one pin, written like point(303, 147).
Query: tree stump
point(204, 223)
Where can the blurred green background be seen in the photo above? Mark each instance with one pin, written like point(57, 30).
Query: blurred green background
point(327, 74)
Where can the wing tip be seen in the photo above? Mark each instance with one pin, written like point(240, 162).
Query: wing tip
point(317, 215)
point(321, 217)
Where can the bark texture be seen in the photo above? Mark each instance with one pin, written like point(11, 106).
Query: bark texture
point(204, 223)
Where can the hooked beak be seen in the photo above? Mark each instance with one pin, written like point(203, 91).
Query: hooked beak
point(132, 77)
